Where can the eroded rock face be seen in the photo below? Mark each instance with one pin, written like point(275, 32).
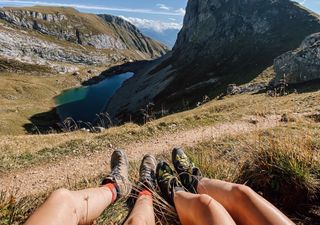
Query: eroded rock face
point(226, 41)
point(34, 50)
point(300, 65)
point(101, 32)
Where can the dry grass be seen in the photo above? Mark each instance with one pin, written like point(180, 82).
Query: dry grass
point(282, 164)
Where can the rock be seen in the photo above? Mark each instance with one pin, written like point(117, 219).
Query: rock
point(84, 130)
point(99, 129)
point(300, 65)
point(286, 118)
point(77, 73)
point(15, 45)
point(233, 89)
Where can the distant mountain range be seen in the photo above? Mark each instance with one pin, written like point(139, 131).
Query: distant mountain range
point(167, 37)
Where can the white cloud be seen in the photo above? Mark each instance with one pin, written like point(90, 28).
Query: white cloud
point(155, 25)
point(302, 2)
point(95, 7)
point(180, 11)
point(163, 6)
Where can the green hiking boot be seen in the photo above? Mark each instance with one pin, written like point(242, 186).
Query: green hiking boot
point(189, 175)
point(119, 173)
point(167, 182)
point(147, 173)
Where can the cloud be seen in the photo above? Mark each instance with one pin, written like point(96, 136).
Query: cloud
point(180, 11)
point(95, 7)
point(155, 25)
point(302, 2)
point(163, 6)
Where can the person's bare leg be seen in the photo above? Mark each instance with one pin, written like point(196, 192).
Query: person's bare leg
point(199, 209)
point(72, 207)
point(82, 207)
point(244, 205)
point(142, 212)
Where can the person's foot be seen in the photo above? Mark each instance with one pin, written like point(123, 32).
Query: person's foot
point(167, 182)
point(189, 175)
point(147, 173)
point(119, 173)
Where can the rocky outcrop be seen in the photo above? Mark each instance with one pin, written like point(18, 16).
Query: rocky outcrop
point(300, 65)
point(223, 42)
point(53, 35)
point(32, 50)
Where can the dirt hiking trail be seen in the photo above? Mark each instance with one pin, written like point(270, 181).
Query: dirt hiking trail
point(40, 179)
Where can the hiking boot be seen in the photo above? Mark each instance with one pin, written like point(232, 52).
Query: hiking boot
point(147, 173)
point(189, 175)
point(119, 173)
point(167, 182)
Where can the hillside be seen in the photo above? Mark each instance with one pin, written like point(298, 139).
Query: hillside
point(63, 38)
point(229, 139)
point(221, 42)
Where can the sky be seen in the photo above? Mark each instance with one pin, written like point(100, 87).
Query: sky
point(159, 15)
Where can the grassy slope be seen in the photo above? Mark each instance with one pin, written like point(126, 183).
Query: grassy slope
point(220, 158)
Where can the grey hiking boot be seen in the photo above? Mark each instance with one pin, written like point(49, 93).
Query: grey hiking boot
point(119, 173)
point(189, 175)
point(148, 172)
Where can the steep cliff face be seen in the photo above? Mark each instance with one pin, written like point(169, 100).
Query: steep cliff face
point(54, 34)
point(221, 42)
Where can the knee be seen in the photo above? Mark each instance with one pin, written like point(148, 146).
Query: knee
point(61, 195)
point(204, 199)
point(206, 202)
point(240, 191)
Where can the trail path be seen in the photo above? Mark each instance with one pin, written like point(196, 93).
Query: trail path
point(42, 178)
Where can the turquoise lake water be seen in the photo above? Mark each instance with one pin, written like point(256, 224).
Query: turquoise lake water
point(84, 103)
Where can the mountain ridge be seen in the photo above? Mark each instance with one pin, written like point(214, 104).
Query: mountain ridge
point(102, 39)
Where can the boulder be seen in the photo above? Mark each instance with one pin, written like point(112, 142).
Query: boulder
point(300, 65)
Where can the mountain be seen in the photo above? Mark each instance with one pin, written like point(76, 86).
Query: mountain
point(61, 38)
point(221, 42)
point(167, 37)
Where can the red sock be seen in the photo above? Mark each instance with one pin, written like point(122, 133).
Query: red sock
point(145, 192)
point(113, 189)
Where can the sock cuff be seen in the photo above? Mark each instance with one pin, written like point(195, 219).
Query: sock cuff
point(113, 190)
point(145, 192)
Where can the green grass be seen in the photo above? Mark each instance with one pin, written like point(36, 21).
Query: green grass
point(217, 111)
